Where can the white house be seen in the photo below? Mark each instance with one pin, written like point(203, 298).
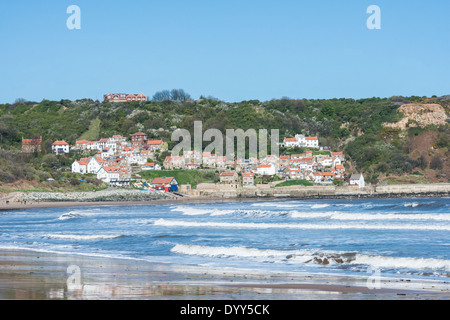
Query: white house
point(60, 147)
point(312, 142)
point(266, 170)
point(80, 166)
point(357, 179)
point(107, 152)
point(108, 174)
point(317, 177)
point(94, 165)
point(151, 166)
point(290, 142)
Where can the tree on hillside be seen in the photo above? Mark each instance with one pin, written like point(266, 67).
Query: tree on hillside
point(436, 163)
point(162, 95)
point(172, 95)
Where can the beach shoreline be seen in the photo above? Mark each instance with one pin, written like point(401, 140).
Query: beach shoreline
point(24, 205)
point(39, 275)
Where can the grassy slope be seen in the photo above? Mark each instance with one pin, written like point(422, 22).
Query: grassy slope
point(295, 183)
point(93, 132)
point(183, 177)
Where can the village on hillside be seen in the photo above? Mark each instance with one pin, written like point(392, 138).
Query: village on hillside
point(117, 162)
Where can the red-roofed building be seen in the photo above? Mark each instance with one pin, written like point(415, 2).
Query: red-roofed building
point(312, 142)
point(80, 166)
point(229, 177)
point(60, 147)
point(109, 175)
point(31, 145)
point(167, 184)
point(81, 145)
point(139, 137)
point(124, 97)
point(248, 179)
point(266, 170)
point(154, 145)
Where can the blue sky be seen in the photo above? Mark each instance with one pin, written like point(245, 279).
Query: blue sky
point(233, 50)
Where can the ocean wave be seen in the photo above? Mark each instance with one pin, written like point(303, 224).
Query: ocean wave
point(278, 204)
point(241, 252)
point(178, 223)
point(83, 237)
point(412, 204)
point(78, 214)
point(192, 211)
point(314, 257)
point(320, 206)
point(252, 213)
point(339, 215)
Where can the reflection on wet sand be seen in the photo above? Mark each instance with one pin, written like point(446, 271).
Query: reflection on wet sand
point(27, 275)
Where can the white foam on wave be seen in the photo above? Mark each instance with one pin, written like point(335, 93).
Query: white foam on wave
point(192, 211)
point(178, 223)
point(402, 262)
point(82, 237)
point(78, 214)
point(338, 215)
point(278, 204)
point(319, 206)
point(241, 252)
point(413, 204)
point(314, 257)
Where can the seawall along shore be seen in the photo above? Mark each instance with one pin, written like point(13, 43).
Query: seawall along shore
point(318, 192)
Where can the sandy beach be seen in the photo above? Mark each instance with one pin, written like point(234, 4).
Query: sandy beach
point(30, 275)
point(19, 205)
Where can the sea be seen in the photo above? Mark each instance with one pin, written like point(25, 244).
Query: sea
point(400, 238)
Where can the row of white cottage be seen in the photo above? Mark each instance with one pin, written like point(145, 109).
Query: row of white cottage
point(118, 175)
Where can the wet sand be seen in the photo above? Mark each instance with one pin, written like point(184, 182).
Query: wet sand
point(65, 204)
point(68, 204)
point(30, 275)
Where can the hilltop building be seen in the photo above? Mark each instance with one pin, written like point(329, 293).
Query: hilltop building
point(124, 97)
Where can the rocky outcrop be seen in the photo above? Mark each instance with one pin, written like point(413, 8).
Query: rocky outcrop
point(420, 115)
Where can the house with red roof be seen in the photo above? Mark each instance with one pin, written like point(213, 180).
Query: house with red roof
point(60, 147)
point(31, 145)
point(108, 175)
point(124, 97)
point(248, 179)
point(139, 137)
point(80, 166)
point(229, 177)
point(167, 184)
point(266, 170)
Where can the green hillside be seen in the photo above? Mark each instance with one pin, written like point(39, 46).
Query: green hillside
point(353, 126)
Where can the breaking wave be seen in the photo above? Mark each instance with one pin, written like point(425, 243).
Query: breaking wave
point(78, 214)
point(314, 257)
point(338, 215)
point(190, 211)
point(82, 237)
point(237, 225)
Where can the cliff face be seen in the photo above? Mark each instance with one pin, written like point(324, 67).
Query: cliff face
point(420, 115)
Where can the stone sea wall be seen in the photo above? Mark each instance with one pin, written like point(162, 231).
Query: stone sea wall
point(105, 195)
point(330, 191)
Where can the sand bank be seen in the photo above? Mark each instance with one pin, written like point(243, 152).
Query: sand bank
point(30, 275)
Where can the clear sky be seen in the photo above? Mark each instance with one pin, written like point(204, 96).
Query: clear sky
point(234, 50)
